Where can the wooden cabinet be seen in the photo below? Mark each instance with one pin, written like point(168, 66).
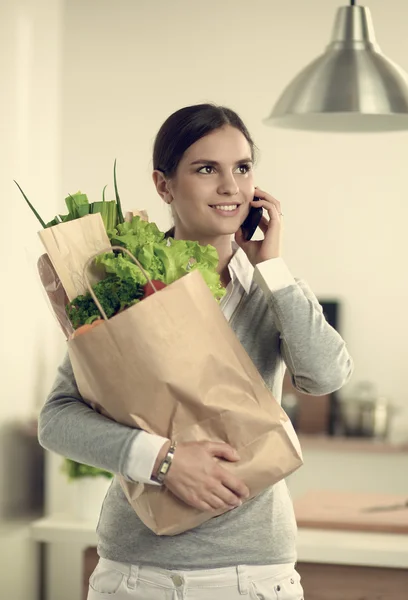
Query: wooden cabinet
point(90, 561)
point(343, 582)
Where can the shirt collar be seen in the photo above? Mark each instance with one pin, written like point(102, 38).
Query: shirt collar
point(240, 268)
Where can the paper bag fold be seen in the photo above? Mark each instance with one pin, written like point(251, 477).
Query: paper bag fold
point(69, 245)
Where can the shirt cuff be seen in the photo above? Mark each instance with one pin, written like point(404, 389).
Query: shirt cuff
point(273, 275)
point(143, 453)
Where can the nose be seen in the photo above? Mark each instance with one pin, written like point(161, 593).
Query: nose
point(228, 186)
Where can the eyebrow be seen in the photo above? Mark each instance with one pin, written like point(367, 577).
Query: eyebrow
point(214, 163)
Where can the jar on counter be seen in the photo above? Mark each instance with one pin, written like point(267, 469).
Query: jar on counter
point(365, 413)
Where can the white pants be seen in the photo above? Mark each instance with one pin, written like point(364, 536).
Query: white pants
point(120, 581)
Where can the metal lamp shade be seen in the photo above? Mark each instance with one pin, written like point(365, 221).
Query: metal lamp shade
point(351, 87)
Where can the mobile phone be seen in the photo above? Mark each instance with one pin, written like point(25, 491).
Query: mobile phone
point(252, 221)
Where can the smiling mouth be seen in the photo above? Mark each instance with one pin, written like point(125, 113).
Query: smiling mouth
point(225, 207)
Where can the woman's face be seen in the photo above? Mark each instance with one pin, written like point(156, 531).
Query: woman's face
point(213, 186)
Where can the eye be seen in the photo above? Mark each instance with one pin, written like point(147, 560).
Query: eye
point(246, 167)
point(205, 167)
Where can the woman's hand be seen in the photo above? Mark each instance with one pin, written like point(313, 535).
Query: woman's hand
point(197, 477)
point(270, 247)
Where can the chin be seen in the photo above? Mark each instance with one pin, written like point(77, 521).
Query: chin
point(231, 230)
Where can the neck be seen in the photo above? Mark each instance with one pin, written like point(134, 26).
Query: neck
point(223, 245)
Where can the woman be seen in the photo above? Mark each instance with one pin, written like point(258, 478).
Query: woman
point(203, 169)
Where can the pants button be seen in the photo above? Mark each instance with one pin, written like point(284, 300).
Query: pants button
point(292, 580)
point(278, 588)
point(177, 580)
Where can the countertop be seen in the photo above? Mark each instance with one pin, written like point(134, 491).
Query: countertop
point(353, 511)
point(314, 545)
point(351, 444)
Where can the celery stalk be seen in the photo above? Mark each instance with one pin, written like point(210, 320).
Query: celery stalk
point(107, 211)
point(77, 204)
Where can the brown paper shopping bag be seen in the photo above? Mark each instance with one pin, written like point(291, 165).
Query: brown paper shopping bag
point(71, 260)
point(55, 292)
point(171, 365)
point(69, 246)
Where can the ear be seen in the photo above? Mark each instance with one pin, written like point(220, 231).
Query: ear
point(162, 186)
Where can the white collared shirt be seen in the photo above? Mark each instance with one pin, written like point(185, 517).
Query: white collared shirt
point(271, 276)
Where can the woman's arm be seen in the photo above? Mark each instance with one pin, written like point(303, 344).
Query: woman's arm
point(68, 426)
point(314, 352)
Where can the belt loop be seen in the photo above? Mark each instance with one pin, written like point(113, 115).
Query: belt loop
point(242, 580)
point(133, 577)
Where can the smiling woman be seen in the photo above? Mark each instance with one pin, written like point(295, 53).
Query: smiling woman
point(203, 168)
point(207, 178)
point(203, 162)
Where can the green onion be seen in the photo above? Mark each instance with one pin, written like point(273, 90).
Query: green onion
point(120, 214)
point(31, 206)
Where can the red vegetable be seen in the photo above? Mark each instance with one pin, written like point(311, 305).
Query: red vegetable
point(148, 290)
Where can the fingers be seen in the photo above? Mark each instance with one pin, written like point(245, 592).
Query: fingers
point(201, 505)
point(223, 499)
point(271, 204)
point(239, 237)
point(263, 224)
point(222, 450)
point(198, 479)
point(234, 484)
point(226, 496)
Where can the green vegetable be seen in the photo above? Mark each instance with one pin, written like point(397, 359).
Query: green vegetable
point(31, 206)
point(113, 293)
point(75, 470)
point(120, 214)
point(136, 234)
point(163, 259)
point(78, 206)
point(108, 212)
point(121, 266)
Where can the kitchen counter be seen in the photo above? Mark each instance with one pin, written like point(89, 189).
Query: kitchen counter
point(314, 545)
point(351, 444)
point(67, 540)
point(353, 511)
point(353, 548)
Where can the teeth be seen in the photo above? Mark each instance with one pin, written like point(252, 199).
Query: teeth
point(226, 208)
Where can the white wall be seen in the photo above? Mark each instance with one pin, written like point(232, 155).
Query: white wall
point(128, 65)
point(30, 51)
point(30, 67)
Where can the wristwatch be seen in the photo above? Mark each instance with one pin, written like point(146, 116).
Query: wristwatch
point(165, 465)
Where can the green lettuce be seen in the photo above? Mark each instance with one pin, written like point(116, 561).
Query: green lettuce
point(163, 259)
point(135, 234)
point(121, 266)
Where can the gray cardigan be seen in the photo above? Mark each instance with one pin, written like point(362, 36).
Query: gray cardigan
point(284, 329)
